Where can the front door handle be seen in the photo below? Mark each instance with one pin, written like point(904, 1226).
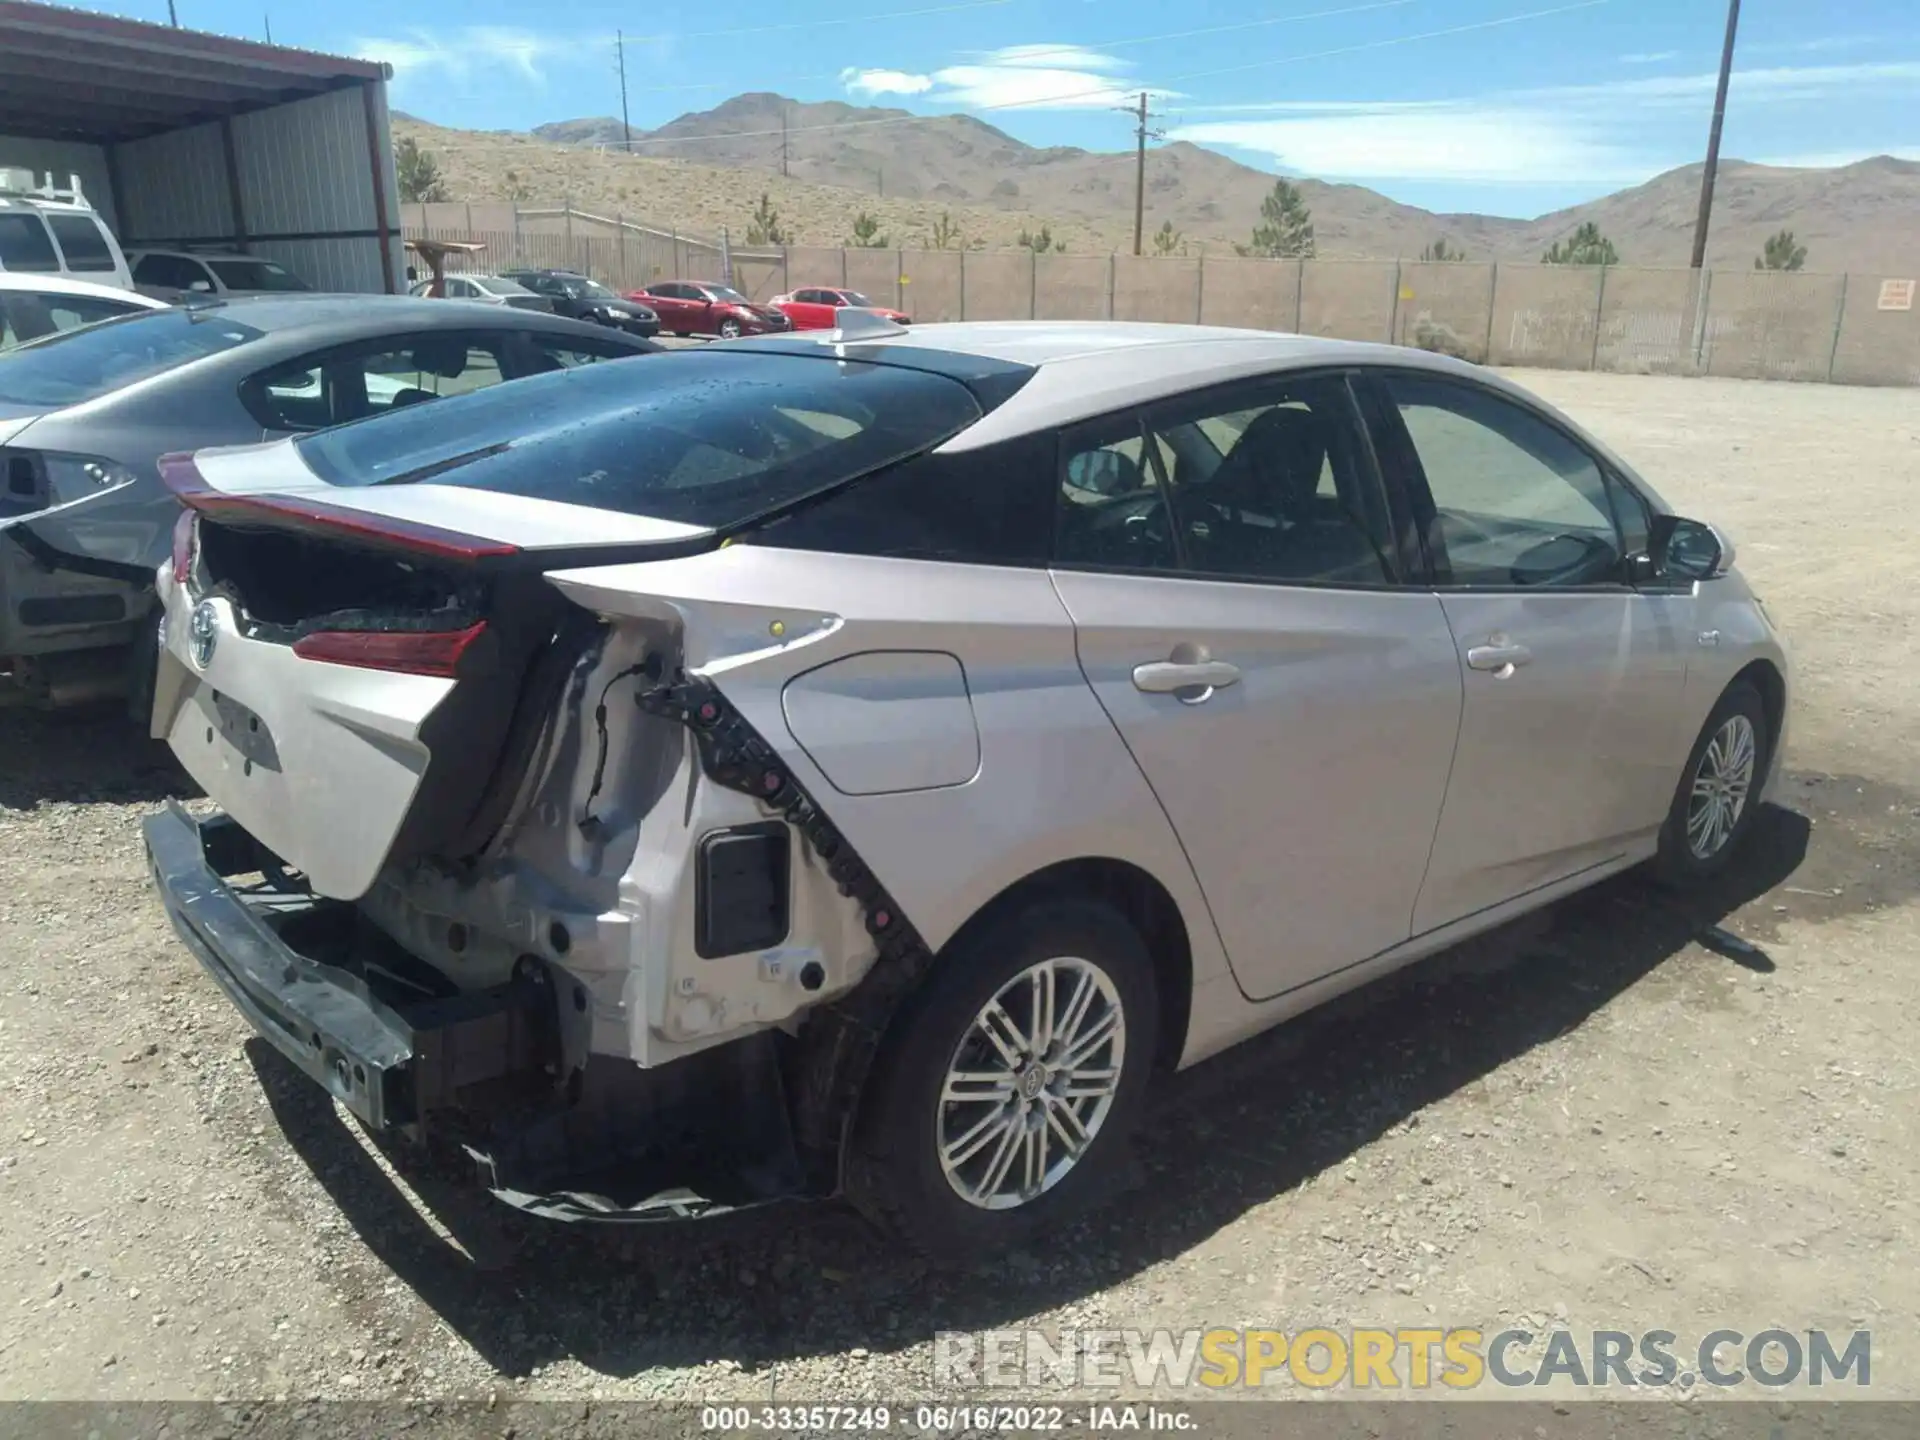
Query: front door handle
point(1500, 656)
point(1193, 681)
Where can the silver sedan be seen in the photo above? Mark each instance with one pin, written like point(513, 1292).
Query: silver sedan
point(883, 751)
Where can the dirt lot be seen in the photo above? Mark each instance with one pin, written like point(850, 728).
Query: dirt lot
point(1635, 1114)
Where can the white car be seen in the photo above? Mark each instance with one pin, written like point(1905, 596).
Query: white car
point(862, 761)
point(213, 272)
point(52, 230)
point(35, 305)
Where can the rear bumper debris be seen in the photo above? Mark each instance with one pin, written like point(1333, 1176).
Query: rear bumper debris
point(479, 1070)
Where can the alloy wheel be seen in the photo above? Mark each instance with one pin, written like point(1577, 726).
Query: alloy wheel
point(1720, 787)
point(1030, 1083)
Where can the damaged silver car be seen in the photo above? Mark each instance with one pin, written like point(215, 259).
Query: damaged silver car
point(859, 763)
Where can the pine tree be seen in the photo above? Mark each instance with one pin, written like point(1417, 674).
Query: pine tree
point(1586, 246)
point(1285, 231)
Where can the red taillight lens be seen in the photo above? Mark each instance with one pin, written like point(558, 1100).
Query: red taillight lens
point(436, 653)
point(186, 534)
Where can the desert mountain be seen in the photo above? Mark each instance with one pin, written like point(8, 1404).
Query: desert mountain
point(706, 169)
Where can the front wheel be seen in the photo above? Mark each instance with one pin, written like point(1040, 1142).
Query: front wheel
point(1713, 809)
point(729, 329)
point(1004, 1090)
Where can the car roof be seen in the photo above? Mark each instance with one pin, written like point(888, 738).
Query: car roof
point(1086, 368)
point(352, 317)
point(48, 284)
point(196, 254)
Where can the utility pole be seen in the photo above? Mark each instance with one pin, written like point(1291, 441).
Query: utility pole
point(1713, 138)
point(1141, 134)
point(620, 55)
point(783, 140)
point(268, 19)
point(173, 17)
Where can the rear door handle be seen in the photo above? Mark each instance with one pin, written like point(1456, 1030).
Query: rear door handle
point(1167, 677)
point(1502, 658)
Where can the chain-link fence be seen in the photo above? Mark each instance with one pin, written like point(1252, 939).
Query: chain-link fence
point(1757, 324)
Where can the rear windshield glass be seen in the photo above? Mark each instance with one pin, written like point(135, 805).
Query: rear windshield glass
point(85, 364)
point(698, 437)
point(256, 275)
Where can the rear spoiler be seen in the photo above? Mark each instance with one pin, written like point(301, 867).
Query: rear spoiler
point(286, 512)
point(303, 515)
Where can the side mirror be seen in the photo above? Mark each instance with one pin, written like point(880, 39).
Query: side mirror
point(1682, 549)
point(201, 287)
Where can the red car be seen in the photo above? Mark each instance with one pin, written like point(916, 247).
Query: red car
point(699, 307)
point(813, 309)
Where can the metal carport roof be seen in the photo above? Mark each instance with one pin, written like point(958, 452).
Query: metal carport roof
point(77, 75)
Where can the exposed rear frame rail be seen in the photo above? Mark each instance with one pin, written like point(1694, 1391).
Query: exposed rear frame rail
point(838, 1045)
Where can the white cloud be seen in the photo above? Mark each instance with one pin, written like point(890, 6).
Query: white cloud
point(463, 52)
point(1616, 132)
point(884, 82)
point(1040, 77)
point(1486, 146)
point(1649, 57)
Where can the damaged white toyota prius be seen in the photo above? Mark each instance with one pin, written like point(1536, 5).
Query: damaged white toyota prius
point(857, 763)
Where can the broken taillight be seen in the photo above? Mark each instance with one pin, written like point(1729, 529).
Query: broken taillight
point(408, 652)
point(185, 536)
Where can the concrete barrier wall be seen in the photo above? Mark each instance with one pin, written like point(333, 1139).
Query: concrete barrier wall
point(1348, 299)
point(1752, 324)
point(1073, 287)
point(1444, 306)
point(1254, 294)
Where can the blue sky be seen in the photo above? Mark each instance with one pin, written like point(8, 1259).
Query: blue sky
point(1510, 107)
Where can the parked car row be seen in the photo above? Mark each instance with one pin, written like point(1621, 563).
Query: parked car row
point(859, 762)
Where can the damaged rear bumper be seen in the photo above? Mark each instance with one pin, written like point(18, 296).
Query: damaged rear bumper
point(609, 1141)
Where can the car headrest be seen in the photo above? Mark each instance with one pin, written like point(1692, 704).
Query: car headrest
point(1280, 454)
point(410, 396)
point(445, 358)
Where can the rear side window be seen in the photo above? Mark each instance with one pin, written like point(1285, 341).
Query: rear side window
point(991, 506)
point(84, 364)
point(82, 242)
point(24, 243)
point(703, 438)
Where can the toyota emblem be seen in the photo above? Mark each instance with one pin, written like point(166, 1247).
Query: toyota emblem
point(203, 631)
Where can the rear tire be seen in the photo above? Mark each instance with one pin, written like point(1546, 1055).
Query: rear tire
point(970, 1141)
point(1719, 791)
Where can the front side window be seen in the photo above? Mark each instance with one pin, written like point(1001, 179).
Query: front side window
point(1516, 501)
point(25, 244)
point(256, 274)
point(428, 369)
point(82, 242)
point(1267, 485)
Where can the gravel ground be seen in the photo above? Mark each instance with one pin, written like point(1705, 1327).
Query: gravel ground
point(1630, 1113)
